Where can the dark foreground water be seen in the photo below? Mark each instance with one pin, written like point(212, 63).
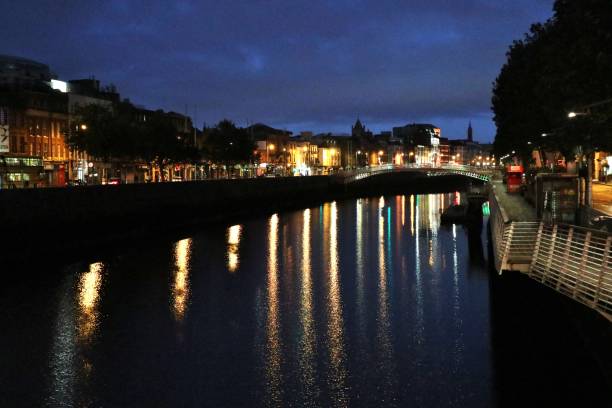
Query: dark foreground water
point(367, 302)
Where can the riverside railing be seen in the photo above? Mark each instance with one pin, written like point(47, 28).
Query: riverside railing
point(574, 261)
point(577, 262)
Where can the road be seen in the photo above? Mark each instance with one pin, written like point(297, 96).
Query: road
point(602, 197)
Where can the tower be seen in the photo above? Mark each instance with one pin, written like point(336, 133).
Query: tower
point(358, 130)
point(470, 132)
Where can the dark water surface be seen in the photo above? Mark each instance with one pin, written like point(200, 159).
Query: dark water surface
point(365, 303)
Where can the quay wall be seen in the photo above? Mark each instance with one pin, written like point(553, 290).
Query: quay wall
point(77, 216)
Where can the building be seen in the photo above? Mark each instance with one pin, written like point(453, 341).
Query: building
point(34, 124)
point(468, 152)
point(422, 140)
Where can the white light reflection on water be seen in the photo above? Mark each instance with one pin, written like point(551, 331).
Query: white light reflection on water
point(273, 331)
point(457, 321)
point(360, 264)
point(383, 326)
point(180, 287)
point(234, 234)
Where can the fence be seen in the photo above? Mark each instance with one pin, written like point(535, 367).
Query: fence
point(574, 261)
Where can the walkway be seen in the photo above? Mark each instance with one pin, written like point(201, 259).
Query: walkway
point(514, 205)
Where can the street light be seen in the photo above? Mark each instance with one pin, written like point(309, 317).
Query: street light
point(83, 127)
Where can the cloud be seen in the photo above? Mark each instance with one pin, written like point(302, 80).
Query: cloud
point(300, 62)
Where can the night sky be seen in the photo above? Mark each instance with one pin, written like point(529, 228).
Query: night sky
point(294, 64)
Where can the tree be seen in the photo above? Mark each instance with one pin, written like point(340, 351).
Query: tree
point(560, 66)
point(228, 144)
point(117, 134)
point(97, 131)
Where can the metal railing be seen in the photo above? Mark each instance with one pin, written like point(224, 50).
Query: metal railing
point(358, 174)
point(574, 261)
point(577, 262)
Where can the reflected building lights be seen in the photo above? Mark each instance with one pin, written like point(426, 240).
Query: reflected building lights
point(383, 323)
point(403, 210)
point(89, 294)
point(308, 341)
point(335, 325)
point(420, 324)
point(273, 346)
point(180, 289)
point(458, 351)
point(412, 218)
point(360, 261)
point(234, 233)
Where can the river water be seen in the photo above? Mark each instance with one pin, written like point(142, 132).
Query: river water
point(368, 302)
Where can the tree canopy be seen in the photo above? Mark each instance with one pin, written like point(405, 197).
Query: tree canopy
point(117, 134)
point(560, 66)
point(228, 144)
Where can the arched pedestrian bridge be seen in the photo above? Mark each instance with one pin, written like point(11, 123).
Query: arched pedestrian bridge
point(476, 173)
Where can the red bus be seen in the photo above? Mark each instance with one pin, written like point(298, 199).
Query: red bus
point(514, 178)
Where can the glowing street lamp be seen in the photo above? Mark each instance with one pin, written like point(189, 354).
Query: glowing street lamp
point(83, 127)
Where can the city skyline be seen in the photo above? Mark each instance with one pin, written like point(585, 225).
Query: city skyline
point(317, 68)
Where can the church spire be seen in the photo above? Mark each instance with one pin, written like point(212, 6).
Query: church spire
point(470, 133)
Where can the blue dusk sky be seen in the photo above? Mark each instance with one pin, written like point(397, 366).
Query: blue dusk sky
point(294, 64)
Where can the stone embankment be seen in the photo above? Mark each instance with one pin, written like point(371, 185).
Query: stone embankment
point(38, 221)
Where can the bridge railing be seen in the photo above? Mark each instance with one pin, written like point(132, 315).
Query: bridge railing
point(479, 173)
point(574, 261)
point(358, 174)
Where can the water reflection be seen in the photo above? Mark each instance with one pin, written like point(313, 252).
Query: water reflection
point(234, 234)
point(336, 304)
point(273, 341)
point(360, 264)
point(76, 326)
point(308, 340)
point(180, 288)
point(385, 348)
point(335, 326)
point(89, 294)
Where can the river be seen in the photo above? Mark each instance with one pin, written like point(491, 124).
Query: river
point(367, 302)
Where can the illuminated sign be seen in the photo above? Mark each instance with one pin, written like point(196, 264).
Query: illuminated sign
point(5, 140)
point(435, 141)
point(59, 85)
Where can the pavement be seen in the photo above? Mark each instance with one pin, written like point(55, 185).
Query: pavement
point(515, 206)
point(602, 198)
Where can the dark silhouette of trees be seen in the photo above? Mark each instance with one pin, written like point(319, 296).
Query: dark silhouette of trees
point(116, 134)
point(225, 143)
point(560, 66)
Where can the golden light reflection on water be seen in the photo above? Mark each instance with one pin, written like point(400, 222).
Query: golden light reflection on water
point(89, 294)
point(403, 210)
point(308, 341)
point(412, 219)
point(335, 326)
point(273, 341)
point(180, 288)
point(234, 233)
